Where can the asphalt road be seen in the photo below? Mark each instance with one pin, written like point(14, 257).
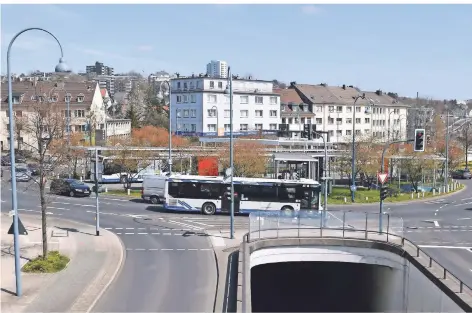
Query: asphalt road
point(170, 264)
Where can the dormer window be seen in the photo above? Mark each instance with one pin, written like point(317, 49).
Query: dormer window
point(80, 98)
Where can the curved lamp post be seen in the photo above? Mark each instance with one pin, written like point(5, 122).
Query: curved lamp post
point(60, 68)
point(170, 124)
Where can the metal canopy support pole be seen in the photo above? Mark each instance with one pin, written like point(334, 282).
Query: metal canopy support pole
point(97, 212)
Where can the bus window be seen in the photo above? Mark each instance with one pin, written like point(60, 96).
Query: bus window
point(209, 191)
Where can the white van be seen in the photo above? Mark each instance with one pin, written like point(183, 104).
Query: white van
point(153, 188)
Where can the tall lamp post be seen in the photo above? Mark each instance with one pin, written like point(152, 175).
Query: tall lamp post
point(170, 125)
point(60, 68)
point(353, 164)
point(229, 90)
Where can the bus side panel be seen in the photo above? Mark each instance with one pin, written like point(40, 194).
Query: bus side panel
point(253, 206)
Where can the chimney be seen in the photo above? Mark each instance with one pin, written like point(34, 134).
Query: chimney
point(379, 92)
point(344, 87)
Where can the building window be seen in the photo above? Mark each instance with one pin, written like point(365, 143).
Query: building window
point(330, 120)
point(193, 113)
point(273, 113)
point(244, 99)
point(211, 127)
point(243, 127)
point(273, 100)
point(185, 98)
point(244, 113)
point(319, 121)
point(227, 113)
point(348, 132)
point(80, 99)
point(339, 121)
point(305, 108)
point(339, 109)
point(358, 120)
point(367, 120)
point(259, 113)
point(227, 127)
point(331, 133)
point(193, 98)
point(220, 85)
point(258, 126)
point(366, 131)
point(212, 84)
point(179, 126)
point(259, 100)
point(348, 109)
point(211, 113)
point(212, 98)
point(308, 120)
point(284, 120)
point(178, 85)
point(348, 120)
point(319, 108)
point(79, 113)
point(179, 99)
point(178, 112)
point(358, 109)
point(331, 109)
point(339, 133)
point(194, 127)
point(191, 85)
point(273, 126)
point(185, 86)
point(358, 131)
point(186, 113)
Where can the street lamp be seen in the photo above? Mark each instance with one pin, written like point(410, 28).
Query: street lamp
point(60, 68)
point(229, 90)
point(217, 118)
point(170, 124)
point(353, 165)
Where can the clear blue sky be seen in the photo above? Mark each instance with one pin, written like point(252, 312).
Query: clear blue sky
point(399, 48)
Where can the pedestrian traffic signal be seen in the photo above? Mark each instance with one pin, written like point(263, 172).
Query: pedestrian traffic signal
point(383, 192)
point(419, 140)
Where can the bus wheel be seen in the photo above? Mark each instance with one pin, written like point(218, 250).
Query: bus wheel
point(208, 208)
point(287, 209)
point(154, 200)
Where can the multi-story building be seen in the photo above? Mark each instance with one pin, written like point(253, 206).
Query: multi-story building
point(200, 106)
point(87, 108)
point(99, 69)
point(217, 69)
point(331, 109)
point(104, 81)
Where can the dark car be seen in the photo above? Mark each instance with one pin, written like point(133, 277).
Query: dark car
point(70, 187)
point(462, 174)
point(34, 168)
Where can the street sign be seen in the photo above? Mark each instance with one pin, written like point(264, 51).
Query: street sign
point(21, 228)
point(382, 177)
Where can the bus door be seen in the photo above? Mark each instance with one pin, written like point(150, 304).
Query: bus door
point(308, 200)
point(226, 200)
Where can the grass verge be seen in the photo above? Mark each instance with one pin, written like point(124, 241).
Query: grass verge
point(54, 262)
point(372, 196)
point(132, 194)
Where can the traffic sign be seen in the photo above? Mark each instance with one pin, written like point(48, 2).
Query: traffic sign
point(382, 177)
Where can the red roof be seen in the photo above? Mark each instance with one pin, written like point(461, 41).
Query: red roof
point(103, 91)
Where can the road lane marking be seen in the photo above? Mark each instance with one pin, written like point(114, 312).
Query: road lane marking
point(129, 233)
point(201, 223)
point(167, 249)
point(62, 209)
point(185, 225)
point(460, 204)
point(444, 247)
point(464, 218)
point(142, 233)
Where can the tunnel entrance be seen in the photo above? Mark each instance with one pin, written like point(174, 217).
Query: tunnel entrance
point(317, 287)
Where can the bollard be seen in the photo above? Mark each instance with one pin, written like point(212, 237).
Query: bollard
point(81, 178)
point(423, 194)
point(412, 195)
point(366, 198)
point(129, 191)
point(106, 189)
point(434, 192)
point(345, 200)
point(418, 195)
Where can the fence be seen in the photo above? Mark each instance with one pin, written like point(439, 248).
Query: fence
point(348, 225)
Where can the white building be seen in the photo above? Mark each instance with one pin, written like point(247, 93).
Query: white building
point(200, 106)
point(217, 68)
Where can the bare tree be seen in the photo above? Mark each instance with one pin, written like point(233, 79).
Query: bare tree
point(44, 123)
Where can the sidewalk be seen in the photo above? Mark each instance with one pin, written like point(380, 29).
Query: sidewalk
point(94, 263)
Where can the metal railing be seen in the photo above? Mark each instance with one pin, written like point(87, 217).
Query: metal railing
point(347, 225)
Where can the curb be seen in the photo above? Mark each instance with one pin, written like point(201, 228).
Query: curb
point(81, 304)
point(401, 202)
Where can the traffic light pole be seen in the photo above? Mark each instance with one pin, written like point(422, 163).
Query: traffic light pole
point(387, 145)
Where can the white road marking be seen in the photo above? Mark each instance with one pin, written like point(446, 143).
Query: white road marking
point(152, 249)
point(180, 249)
point(140, 249)
point(445, 247)
point(463, 204)
point(464, 218)
point(120, 228)
point(192, 249)
point(183, 224)
point(108, 228)
point(62, 209)
point(142, 233)
point(466, 199)
point(167, 249)
point(202, 224)
point(129, 233)
point(436, 223)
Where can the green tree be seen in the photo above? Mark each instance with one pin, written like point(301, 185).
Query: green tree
point(133, 115)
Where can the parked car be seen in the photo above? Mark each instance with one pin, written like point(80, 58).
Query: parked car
point(34, 168)
point(23, 174)
point(462, 174)
point(70, 187)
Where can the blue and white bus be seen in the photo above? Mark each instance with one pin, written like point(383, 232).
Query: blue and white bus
point(209, 194)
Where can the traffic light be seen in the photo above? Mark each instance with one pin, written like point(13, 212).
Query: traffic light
point(419, 140)
point(383, 192)
point(306, 131)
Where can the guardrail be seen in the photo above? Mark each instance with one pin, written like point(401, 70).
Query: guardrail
point(346, 225)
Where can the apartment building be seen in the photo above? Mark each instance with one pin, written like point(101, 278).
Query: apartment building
point(87, 109)
point(99, 69)
point(200, 106)
point(217, 69)
point(331, 109)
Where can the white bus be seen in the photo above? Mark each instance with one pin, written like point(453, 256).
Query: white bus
point(209, 194)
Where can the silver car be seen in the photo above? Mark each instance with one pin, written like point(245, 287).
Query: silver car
point(23, 174)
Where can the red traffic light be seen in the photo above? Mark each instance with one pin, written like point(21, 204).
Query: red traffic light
point(419, 134)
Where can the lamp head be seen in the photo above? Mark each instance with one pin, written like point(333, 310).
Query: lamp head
point(226, 90)
point(62, 67)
